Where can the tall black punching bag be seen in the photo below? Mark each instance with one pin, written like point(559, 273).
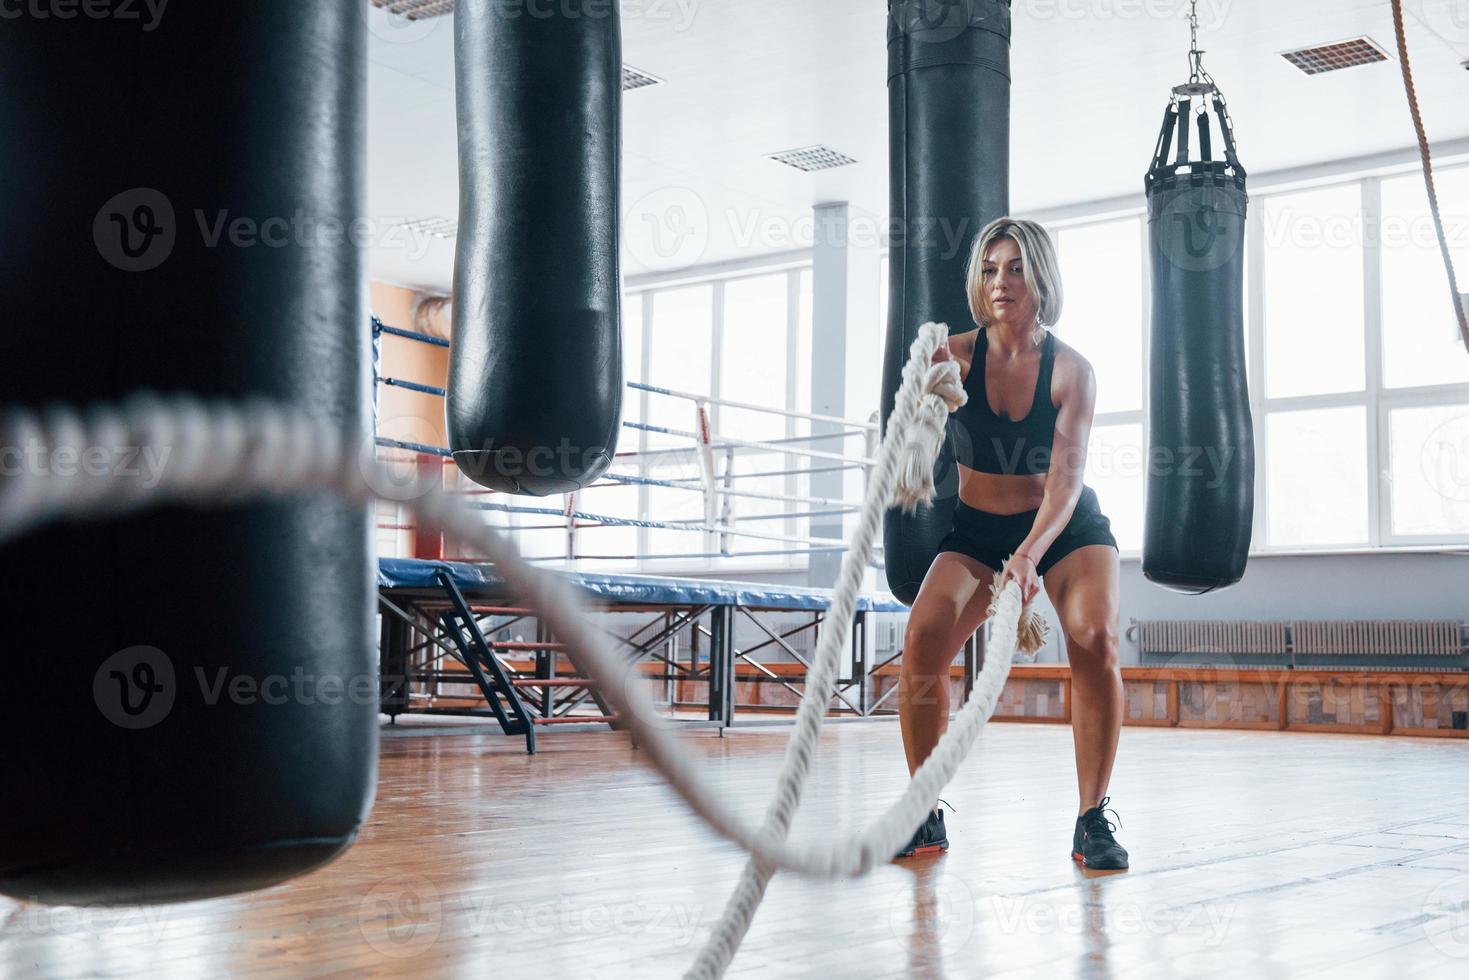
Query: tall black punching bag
point(949, 173)
point(186, 713)
point(535, 373)
point(1201, 461)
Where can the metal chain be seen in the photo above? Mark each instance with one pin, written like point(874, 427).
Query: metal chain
point(1198, 74)
point(1196, 64)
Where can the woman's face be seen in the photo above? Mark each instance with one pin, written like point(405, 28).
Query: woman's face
point(1002, 276)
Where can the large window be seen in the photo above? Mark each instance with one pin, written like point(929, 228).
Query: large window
point(741, 339)
point(1361, 430)
point(1420, 345)
point(1313, 292)
point(1104, 283)
point(1103, 312)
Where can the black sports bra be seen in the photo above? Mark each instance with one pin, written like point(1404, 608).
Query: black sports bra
point(990, 444)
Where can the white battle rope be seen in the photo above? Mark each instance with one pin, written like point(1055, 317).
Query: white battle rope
point(83, 464)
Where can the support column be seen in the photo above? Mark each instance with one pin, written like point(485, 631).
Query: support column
point(846, 361)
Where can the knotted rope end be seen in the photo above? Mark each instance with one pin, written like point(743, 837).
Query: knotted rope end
point(1032, 631)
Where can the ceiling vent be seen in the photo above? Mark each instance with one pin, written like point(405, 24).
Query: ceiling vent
point(1334, 57)
point(813, 158)
point(416, 9)
point(445, 228)
point(633, 78)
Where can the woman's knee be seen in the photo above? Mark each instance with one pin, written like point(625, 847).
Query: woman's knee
point(926, 645)
point(1093, 644)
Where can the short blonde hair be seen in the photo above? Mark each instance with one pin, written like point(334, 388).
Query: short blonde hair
point(1041, 269)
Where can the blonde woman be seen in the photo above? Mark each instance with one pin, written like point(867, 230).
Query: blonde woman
point(1022, 451)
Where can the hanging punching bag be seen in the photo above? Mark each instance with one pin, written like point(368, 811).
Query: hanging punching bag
point(949, 173)
point(535, 373)
point(186, 714)
point(1201, 472)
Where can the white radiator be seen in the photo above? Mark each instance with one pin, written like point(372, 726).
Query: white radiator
point(1377, 636)
point(1164, 636)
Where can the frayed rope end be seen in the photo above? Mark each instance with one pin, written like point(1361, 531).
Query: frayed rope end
point(1032, 631)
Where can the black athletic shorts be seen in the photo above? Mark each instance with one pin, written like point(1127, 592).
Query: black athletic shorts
point(991, 538)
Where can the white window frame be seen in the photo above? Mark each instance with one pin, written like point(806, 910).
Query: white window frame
point(792, 265)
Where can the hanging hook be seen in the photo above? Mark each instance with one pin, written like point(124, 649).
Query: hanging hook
point(1195, 56)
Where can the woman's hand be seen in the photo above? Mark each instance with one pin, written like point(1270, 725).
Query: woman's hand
point(943, 353)
point(1021, 568)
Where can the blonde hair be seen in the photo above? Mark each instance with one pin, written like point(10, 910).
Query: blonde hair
point(1041, 269)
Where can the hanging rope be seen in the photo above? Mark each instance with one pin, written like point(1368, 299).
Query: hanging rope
point(219, 454)
point(1427, 159)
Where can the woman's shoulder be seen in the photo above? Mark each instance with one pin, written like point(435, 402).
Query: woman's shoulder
point(1072, 371)
point(961, 345)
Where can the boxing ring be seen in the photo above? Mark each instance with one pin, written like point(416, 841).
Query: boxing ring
point(717, 485)
point(452, 645)
point(454, 642)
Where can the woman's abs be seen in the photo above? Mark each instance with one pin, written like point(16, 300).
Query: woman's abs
point(1001, 494)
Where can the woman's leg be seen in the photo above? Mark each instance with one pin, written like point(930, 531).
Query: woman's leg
point(950, 606)
point(1084, 590)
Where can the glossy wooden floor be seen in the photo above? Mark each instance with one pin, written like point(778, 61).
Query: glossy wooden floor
point(1255, 854)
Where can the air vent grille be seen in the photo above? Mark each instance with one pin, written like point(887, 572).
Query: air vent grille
point(1334, 57)
point(416, 9)
point(812, 158)
point(446, 228)
point(634, 78)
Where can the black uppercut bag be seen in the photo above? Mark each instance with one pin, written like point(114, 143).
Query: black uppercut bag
point(535, 373)
point(1201, 453)
point(949, 133)
point(192, 698)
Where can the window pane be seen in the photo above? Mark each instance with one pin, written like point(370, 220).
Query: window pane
point(540, 535)
point(1313, 292)
point(668, 504)
point(743, 510)
point(608, 539)
point(682, 328)
point(1420, 334)
point(1115, 458)
point(1430, 469)
point(632, 366)
point(632, 337)
point(1317, 477)
point(752, 365)
point(1102, 281)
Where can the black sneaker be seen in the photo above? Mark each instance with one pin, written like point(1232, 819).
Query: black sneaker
point(1092, 845)
point(929, 838)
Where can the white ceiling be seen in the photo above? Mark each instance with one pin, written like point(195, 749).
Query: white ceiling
point(745, 78)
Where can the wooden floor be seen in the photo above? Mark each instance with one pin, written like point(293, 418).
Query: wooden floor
point(1255, 854)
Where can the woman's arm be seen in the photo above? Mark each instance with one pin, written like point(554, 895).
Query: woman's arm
point(1068, 454)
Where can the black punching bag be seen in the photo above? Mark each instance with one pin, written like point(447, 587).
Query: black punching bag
point(949, 173)
point(1201, 472)
point(535, 373)
point(186, 715)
